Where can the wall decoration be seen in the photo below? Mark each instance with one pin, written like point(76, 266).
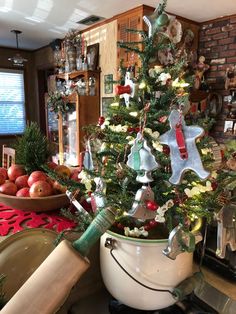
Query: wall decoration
point(108, 85)
point(93, 56)
point(106, 101)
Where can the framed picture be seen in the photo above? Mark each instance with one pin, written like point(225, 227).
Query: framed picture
point(93, 57)
point(108, 85)
point(106, 101)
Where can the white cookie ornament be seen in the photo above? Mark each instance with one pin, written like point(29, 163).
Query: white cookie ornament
point(184, 154)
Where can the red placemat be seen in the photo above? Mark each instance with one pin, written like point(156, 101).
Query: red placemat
point(14, 220)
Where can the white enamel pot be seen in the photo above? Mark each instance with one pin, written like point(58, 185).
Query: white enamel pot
point(145, 262)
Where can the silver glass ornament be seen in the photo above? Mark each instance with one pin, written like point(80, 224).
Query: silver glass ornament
point(193, 161)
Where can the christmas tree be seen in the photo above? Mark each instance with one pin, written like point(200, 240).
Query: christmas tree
point(145, 158)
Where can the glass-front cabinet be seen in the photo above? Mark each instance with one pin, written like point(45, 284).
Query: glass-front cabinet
point(65, 129)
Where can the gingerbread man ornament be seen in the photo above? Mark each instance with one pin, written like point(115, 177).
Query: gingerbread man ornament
point(183, 150)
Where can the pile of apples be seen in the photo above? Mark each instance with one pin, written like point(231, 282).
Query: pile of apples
point(14, 181)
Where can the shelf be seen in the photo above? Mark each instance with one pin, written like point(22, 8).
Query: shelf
point(74, 74)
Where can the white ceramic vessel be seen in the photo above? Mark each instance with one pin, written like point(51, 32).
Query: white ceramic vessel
point(144, 260)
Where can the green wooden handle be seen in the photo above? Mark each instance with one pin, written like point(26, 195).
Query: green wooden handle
point(98, 226)
point(188, 285)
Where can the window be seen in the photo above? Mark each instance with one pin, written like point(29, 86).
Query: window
point(12, 102)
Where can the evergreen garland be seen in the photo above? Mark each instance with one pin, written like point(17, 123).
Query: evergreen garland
point(58, 103)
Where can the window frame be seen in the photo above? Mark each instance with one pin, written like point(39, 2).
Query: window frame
point(12, 70)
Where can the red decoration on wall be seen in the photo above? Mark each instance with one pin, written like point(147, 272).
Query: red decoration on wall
point(14, 220)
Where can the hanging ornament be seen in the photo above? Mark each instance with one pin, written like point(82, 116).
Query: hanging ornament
point(101, 120)
point(126, 91)
point(78, 206)
point(179, 241)
point(140, 208)
point(98, 197)
point(88, 159)
point(183, 150)
point(141, 160)
point(156, 20)
point(160, 213)
point(226, 229)
point(151, 205)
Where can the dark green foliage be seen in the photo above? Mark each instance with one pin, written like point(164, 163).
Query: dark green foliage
point(57, 102)
point(32, 148)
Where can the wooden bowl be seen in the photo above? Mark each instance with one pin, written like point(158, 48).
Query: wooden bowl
point(36, 204)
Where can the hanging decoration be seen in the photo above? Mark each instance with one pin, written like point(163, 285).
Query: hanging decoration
point(142, 160)
point(160, 213)
point(88, 158)
point(58, 103)
point(144, 200)
point(128, 90)
point(98, 197)
point(183, 150)
point(157, 19)
point(226, 229)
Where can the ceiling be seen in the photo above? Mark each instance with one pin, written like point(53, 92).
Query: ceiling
point(42, 21)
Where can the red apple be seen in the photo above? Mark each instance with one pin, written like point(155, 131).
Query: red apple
point(51, 164)
point(22, 181)
point(58, 188)
point(40, 189)
point(8, 188)
point(2, 178)
point(74, 174)
point(62, 170)
point(24, 192)
point(3, 172)
point(15, 171)
point(36, 176)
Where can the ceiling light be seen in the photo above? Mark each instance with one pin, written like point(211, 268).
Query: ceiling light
point(17, 60)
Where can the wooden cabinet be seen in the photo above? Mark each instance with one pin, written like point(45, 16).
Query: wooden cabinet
point(132, 19)
point(65, 130)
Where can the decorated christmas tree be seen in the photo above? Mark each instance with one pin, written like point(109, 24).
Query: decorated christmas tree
point(148, 158)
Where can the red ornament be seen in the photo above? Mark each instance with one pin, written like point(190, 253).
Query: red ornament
point(153, 223)
point(120, 89)
point(214, 185)
point(130, 129)
point(101, 120)
point(166, 150)
point(147, 227)
point(120, 226)
point(151, 205)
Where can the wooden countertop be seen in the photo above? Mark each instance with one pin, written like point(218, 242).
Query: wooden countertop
point(223, 285)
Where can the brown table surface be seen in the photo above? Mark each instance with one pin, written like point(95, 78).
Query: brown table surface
point(220, 283)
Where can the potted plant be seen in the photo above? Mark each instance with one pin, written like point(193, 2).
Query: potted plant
point(146, 162)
